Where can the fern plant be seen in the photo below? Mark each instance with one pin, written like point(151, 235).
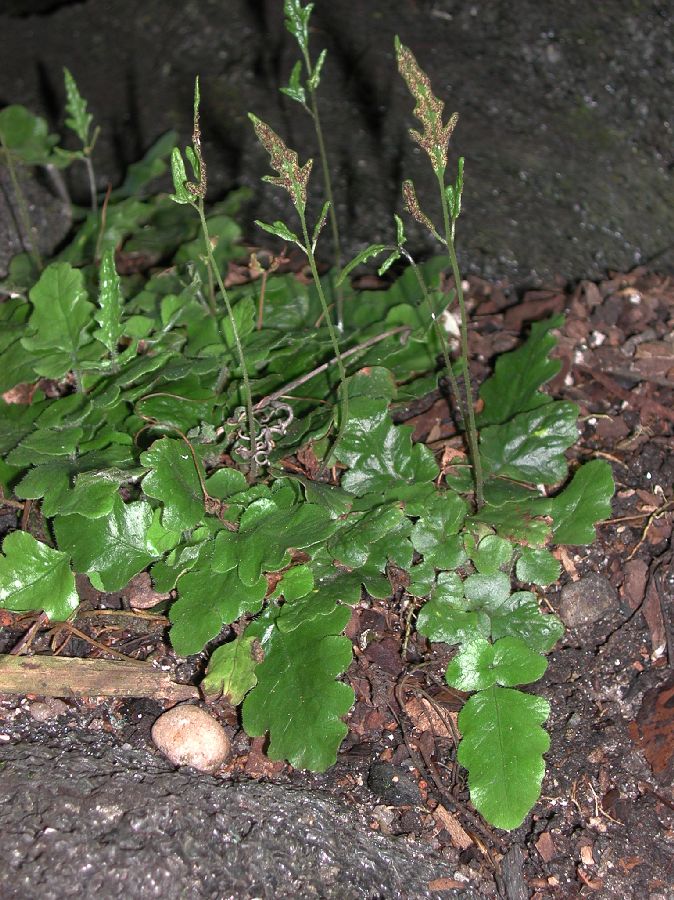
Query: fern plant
point(143, 461)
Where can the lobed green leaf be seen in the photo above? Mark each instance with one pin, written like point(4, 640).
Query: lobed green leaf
point(296, 699)
point(530, 447)
point(231, 670)
point(117, 546)
point(507, 662)
point(35, 577)
point(174, 480)
point(377, 452)
point(518, 376)
point(59, 323)
point(502, 748)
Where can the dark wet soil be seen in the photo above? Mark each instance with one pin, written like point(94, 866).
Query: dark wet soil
point(604, 826)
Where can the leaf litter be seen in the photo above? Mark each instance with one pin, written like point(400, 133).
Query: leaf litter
point(607, 791)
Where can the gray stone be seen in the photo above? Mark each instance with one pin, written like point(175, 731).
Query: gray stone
point(50, 218)
point(587, 600)
point(82, 816)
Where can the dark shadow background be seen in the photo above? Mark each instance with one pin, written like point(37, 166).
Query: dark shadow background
point(565, 112)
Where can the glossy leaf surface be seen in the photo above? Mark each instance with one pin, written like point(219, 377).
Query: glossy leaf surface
point(35, 577)
point(173, 478)
point(503, 749)
point(481, 664)
point(116, 546)
point(231, 670)
point(61, 314)
point(377, 452)
point(297, 700)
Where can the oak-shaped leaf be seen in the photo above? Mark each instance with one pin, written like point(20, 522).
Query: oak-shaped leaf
point(518, 376)
point(445, 616)
point(435, 534)
point(585, 501)
point(116, 546)
point(207, 600)
point(231, 670)
point(174, 479)
point(60, 319)
point(378, 452)
point(266, 533)
point(537, 566)
point(35, 577)
point(297, 700)
point(530, 446)
point(502, 748)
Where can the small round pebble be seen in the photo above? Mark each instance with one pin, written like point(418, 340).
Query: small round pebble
point(188, 736)
point(43, 711)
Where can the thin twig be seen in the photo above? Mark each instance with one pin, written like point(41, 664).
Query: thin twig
point(29, 636)
point(287, 388)
point(85, 637)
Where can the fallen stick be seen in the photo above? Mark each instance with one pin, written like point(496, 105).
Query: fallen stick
point(58, 676)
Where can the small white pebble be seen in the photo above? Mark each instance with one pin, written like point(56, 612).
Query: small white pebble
point(188, 736)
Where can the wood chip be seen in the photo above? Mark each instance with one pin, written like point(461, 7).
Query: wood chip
point(652, 613)
point(586, 855)
point(546, 847)
point(562, 554)
point(423, 716)
point(445, 884)
point(450, 823)
point(653, 730)
point(634, 587)
point(141, 594)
